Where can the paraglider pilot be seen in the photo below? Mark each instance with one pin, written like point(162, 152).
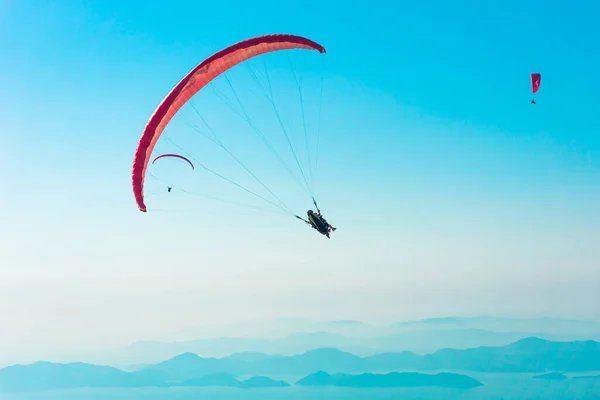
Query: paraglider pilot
point(318, 222)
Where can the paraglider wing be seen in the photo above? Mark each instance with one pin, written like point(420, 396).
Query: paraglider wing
point(175, 156)
point(536, 80)
point(193, 82)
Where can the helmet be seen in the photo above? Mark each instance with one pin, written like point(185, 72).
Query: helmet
point(309, 212)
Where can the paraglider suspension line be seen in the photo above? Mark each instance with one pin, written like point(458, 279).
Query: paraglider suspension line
point(287, 137)
point(246, 117)
point(219, 143)
point(284, 208)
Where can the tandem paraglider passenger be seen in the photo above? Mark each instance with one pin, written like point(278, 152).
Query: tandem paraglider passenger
point(318, 222)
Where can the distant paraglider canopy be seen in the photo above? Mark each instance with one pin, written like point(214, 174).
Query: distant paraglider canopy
point(203, 75)
point(536, 80)
point(174, 156)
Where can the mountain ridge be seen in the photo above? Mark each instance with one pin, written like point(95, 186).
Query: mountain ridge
point(418, 341)
point(530, 355)
point(392, 379)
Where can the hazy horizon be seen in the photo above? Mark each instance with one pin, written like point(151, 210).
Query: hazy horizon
point(290, 336)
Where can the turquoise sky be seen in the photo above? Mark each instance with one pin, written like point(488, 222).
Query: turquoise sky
point(452, 193)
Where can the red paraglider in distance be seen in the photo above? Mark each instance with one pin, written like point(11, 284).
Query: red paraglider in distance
point(536, 80)
point(175, 156)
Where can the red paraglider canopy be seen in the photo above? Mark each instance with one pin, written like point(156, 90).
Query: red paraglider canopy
point(193, 82)
point(536, 80)
point(175, 156)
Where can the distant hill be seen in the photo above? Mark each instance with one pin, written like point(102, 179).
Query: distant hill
point(393, 379)
point(284, 327)
point(427, 341)
point(587, 377)
point(51, 376)
point(188, 366)
point(552, 376)
point(250, 356)
point(528, 355)
point(47, 376)
point(229, 381)
point(415, 340)
point(152, 352)
point(262, 382)
point(541, 326)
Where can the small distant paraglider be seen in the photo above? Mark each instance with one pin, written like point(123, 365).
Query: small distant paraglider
point(536, 80)
point(169, 188)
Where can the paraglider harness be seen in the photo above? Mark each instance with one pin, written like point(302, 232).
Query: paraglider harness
point(318, 222)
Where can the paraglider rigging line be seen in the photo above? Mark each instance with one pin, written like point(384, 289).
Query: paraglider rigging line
point(246, 117)
point(285, 208)
point(215, 198)
point(272, 101)
point(299, 85)
point(319, 127)
point(285, 131)
point(219, 143)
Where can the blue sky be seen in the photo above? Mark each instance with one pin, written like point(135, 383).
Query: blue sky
point(452, 193)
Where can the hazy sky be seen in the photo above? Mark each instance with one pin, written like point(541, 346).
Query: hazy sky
point(453, 195)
